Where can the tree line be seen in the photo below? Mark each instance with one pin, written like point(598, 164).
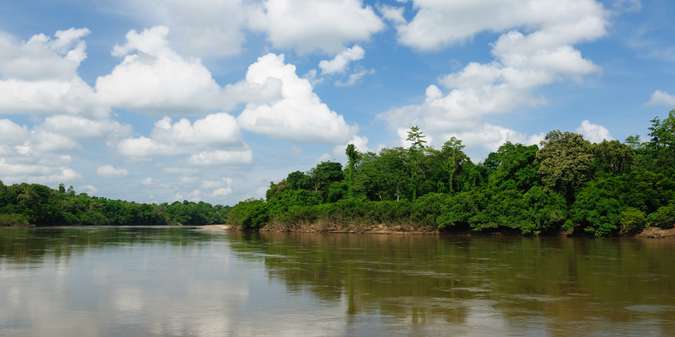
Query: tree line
point(565, 184)
point(34, 204)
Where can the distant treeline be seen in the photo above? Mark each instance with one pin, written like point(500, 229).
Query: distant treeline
point(565, 184)
point(33, 204)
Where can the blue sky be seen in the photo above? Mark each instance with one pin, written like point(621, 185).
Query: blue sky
point(213, 99)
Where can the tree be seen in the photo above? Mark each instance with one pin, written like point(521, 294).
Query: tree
point(384, 176)
point(416, 151)
point(324, 174)
point(353, 157)
point(416, 138)
point(452, 148)
point(612, 157)
point(662, 142)
point(566, 162)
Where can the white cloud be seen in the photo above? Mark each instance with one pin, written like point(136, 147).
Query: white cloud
point(441, 23)
point(153, 77)
point(307, 26)
point(541, 54)
point(341, 61)
point(202, 28)
point(12, 133)
point(299, 114)
point(594, 133)
point(222, 157)
point(111, 171)
point(39, 76)
point(19, 172)
point(218, 188)
point(219, 128)
point(142, 147)
point(354, 77)
point(393, 14)
point(79, 127)
point(212, 140)
point(662, 98)
point(41, 57)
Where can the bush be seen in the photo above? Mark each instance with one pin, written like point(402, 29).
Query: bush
point(249, 214)
point(428, 208)
point(632, 220)
point(664, 217)
point(597, 210)
point(13, 220)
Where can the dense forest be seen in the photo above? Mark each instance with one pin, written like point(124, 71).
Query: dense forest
point(33, 204)
point(565, 184)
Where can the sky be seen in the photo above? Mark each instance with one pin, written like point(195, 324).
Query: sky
point(164, 100)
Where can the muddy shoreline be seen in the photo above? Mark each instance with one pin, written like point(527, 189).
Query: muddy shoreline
point(400, 229)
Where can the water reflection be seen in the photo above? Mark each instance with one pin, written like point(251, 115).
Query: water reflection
point(183, 282)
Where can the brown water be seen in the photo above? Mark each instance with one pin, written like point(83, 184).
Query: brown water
point(131, 282)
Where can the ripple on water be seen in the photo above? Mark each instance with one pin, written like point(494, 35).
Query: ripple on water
point(650, 308)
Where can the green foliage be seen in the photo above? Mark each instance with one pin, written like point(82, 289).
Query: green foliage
point(566, 161)
point(567, 185)
point(546, 211)
point(632, 220)
point(249, 214)
point(43, 206)
point(597, 210)
point(13, 220)
point(664, 217)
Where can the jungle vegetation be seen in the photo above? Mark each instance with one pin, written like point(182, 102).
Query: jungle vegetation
point(34, 204)
point(565, 184)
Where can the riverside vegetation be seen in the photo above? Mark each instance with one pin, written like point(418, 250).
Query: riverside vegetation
point(25, 204)
point(565, 184)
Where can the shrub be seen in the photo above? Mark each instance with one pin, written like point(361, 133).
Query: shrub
point(664, 217)
point(428, 208)
point(13, 220)
point(249, 214)
point(632, 220)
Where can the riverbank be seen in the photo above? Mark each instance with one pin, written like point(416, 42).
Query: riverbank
point(399, 229)
point(657, 233)
point(325, 227)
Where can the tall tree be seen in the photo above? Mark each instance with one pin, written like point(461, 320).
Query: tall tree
point(353, 157)
point(418, 143)
point(416, 138)
point(566, 161)
point(453, 149)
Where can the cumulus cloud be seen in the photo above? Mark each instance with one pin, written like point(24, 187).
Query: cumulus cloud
point(662, 98)
point(202, 28)
point(215, 140)
point(153, 77)
point(392, 13)
point(39, 76)
point(80, 127)
point(12, 133)
point(111, 171)
point(307, 26)
point(441, 23)
point(341, 61)
point(535, 49)
point(34, 155)
point(222, 157)
point(16, 173)
point(299, 114)
point(594, 133)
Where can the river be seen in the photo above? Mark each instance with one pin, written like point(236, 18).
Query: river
point(133, 282)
